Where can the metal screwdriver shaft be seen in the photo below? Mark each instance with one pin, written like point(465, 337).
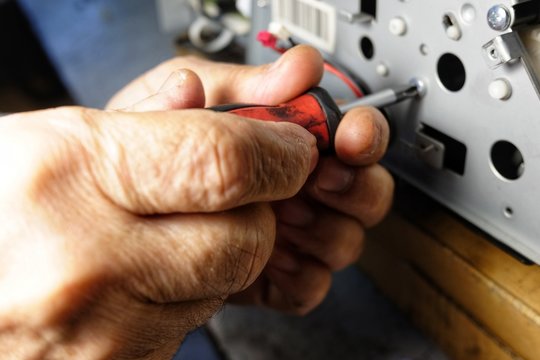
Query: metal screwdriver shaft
point(383, 98)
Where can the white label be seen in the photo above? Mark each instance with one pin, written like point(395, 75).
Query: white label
point(311, 20)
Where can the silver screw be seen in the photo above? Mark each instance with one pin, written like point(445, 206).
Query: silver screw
point(421, 86)
point(499, 18)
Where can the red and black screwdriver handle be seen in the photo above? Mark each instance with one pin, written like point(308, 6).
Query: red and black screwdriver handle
point(315, 110)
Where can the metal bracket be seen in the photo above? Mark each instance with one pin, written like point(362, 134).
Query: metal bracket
point(503, 49)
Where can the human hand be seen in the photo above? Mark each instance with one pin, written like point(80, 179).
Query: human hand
point(321, 229)
point(121, 231)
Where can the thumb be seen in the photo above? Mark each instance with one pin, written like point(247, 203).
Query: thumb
point(295, 72)
point(290, 76)
point(182, 90)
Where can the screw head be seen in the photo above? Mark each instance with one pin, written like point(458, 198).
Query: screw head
point(499, 18)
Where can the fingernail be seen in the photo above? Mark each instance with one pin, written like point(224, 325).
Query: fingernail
point(295, 212)
point(378, 137)
point(376, 143)
point(284, 261)
point(335, 177)
point(176, 79)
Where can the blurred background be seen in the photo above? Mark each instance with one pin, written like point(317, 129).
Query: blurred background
point(65, 51)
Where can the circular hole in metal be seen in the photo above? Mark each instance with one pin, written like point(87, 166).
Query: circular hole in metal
point(424, 49)
point(507, 160)
point(367, 48)
point(451, 72)
point(508, 212)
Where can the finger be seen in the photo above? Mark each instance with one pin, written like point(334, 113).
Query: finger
point(362, 137)
point(330, 237)
point(194, 160)
point(182, 90)
point(291, 75)
point(364, 193)
point(196, 256)
point(293, 284)
point(297, 292)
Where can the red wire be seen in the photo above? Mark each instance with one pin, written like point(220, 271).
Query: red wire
point(270, 40)
point(343, 77)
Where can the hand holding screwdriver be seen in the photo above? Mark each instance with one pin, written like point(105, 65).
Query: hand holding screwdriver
point(153, 214)
point(317, 112)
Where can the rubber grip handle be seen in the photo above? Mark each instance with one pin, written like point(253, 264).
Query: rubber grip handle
point(315, 110)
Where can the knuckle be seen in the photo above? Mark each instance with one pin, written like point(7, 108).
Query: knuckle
point(251, 253)
point(230, 171)
point(45, 156)
point(238, 164)
point(240, 247)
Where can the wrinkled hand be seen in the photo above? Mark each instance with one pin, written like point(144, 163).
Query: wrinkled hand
point(120, 231)
point(321, 229)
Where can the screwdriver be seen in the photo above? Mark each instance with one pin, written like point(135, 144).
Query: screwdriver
point(317, 112)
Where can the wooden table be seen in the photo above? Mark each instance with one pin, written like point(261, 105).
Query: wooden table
point(474, 299)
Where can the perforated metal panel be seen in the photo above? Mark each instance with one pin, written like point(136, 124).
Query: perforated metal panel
point(481, 110)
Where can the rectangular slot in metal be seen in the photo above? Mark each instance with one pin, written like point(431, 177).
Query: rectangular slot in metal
point(369, 7)
point(455, 152)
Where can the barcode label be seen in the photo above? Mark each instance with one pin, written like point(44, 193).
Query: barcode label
point(311, 20)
